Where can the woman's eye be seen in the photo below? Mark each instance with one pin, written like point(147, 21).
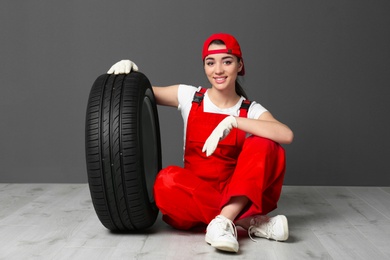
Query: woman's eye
point(210, 63)
point(228, 62)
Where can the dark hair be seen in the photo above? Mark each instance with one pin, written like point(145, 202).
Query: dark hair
point(239, 89)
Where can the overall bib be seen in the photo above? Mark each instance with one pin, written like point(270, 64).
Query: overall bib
point(194, 195)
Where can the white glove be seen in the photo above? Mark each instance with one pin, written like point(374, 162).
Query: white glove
point(123, 67)
point(219, 133)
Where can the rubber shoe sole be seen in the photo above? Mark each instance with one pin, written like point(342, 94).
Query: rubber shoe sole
point(223, 245)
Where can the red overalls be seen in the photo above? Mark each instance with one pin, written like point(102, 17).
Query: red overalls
point(194, 195)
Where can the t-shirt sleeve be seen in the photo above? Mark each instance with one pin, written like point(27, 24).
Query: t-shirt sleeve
point(185, 95)
point(255, 110)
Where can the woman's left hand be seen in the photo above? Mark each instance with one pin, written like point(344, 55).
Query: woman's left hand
point(219, 133)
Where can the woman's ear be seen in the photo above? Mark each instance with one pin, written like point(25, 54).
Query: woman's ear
point(240, 65)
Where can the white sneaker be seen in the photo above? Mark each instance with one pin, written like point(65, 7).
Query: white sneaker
point(221, 233)
point(275, 228)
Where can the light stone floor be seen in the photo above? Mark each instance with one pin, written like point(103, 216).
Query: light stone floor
point(57, 221)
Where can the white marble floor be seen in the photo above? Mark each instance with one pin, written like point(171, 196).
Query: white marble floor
point(57, 221)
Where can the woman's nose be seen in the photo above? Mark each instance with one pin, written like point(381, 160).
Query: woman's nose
point(219, 68)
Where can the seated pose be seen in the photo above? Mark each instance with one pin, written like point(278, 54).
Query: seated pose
point(234, 164)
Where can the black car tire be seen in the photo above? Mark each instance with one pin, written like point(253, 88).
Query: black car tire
point(123, 151)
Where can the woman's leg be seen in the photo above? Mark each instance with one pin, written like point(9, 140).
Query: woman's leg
point(234, 207)
point(256, 184)
point(253, 189)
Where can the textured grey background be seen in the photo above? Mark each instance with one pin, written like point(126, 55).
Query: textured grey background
point(322, 67)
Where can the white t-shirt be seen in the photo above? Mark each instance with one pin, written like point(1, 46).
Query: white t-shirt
point(186, 95)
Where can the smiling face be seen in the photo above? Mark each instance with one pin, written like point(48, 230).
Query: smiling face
point(222, 68)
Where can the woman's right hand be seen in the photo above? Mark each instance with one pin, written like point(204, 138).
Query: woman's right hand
point(123, 67)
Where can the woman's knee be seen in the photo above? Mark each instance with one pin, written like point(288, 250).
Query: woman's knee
point(256, 143)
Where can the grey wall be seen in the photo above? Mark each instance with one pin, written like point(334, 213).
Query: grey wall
point(322, 67)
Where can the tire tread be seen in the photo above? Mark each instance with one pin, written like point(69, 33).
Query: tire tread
point(115, 170)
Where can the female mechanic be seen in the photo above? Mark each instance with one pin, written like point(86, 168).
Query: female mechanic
point(234, 164)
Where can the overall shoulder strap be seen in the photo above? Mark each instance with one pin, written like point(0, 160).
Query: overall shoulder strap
point(245, 104)
point(198, 96)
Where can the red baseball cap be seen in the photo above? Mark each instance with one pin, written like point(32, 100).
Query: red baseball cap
point(232, 47)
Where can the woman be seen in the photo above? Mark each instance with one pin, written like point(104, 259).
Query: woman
point(233, 163)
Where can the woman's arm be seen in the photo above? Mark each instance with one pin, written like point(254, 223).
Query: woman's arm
point(268, 127)
point(166, 96)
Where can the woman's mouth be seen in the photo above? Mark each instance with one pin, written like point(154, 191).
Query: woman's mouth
point(220, 80)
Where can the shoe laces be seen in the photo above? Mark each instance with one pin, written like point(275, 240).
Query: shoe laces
point(258, 224)
point(228, 227)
